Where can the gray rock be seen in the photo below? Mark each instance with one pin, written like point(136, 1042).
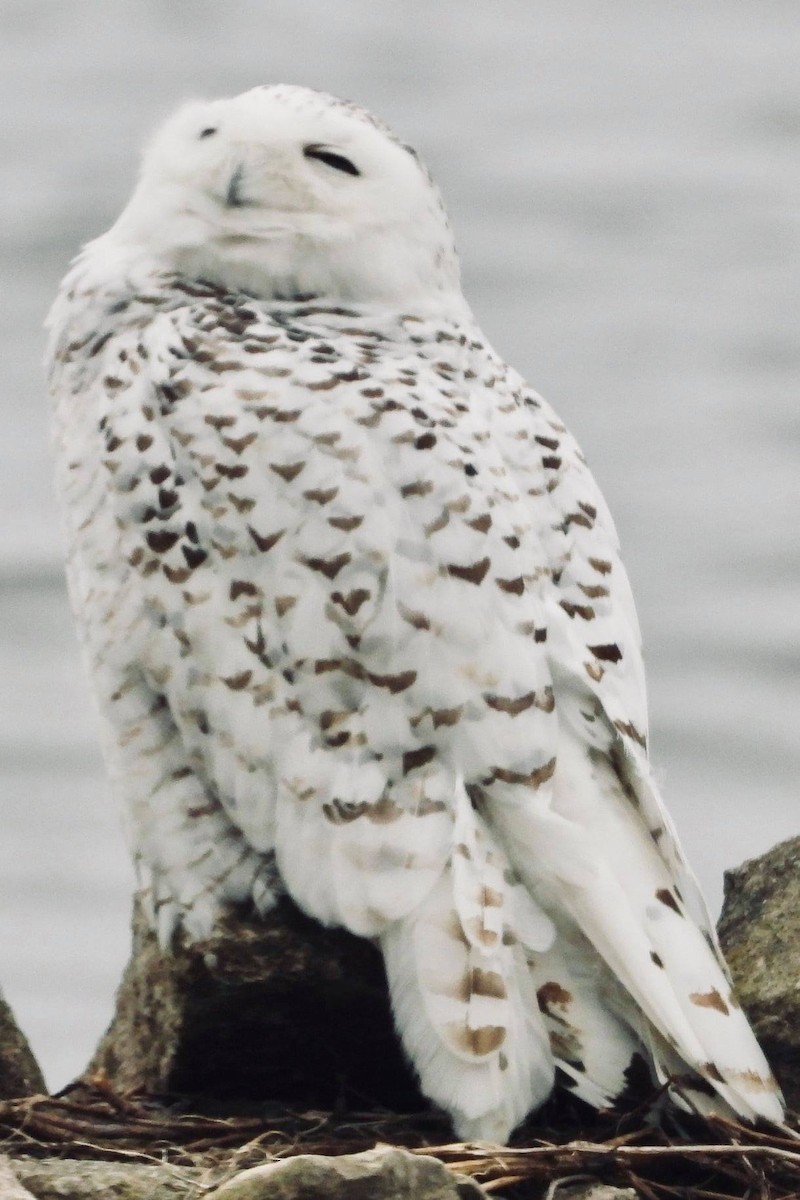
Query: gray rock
point(19, 1070)
point(592, 1191)
point(760, 934)
point(274, 1009)
point(586, 1190)
point(385, 1173)
point(380, 1174)
point(10, 1186)
point(71, 1179)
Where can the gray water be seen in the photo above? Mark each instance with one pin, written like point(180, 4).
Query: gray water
point(624, 180)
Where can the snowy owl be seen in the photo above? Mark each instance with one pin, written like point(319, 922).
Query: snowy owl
point(354, 611)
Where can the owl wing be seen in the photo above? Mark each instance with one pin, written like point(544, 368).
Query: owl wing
point(594, 640)
point(638, 902)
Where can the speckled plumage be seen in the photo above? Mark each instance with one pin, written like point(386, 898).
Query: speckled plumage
point(355, 614)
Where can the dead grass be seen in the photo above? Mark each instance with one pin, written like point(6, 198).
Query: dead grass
point(720, 1160)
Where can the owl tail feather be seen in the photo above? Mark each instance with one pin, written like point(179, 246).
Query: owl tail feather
point(628, 907)
point(463, 999)
point(592, 1024)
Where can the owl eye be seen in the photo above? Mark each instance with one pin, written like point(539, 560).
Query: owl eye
point(205, 133)
point(331, 159)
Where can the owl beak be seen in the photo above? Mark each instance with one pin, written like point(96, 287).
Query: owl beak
point(234, 197)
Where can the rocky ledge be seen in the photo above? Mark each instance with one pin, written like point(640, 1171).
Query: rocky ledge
point(760, 934)
point(19, 1070)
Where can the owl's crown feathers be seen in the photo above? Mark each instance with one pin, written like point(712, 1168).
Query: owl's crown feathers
point(284, 190)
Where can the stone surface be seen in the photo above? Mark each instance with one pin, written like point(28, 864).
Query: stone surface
point(10, 1186)
point(380, 1174)
point(760, 934)
point(385, 1173)
point(19, 1071)
point(68, 1179)
point(275, 1009)
point(587, 1190)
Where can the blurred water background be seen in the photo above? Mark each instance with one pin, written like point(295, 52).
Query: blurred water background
point(624, 181)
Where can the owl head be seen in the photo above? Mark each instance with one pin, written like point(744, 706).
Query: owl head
point(284, 190)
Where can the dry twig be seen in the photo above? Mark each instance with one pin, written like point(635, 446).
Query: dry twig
point(93, 1122)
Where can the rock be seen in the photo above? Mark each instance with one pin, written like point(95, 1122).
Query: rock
point(19, 1070)
point(70, 1179)
point(274, 1009)
point(380, 1174)
point(594, 1191)
point(10, 1186)
point(760, 934)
